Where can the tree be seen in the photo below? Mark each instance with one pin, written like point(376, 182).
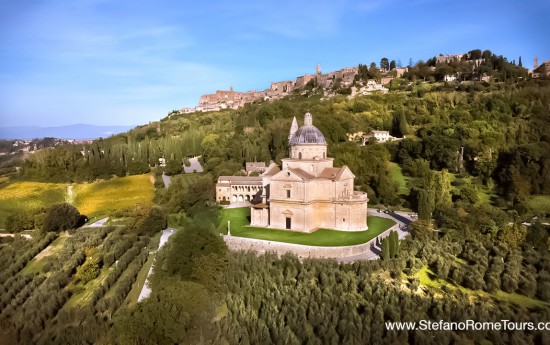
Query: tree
point(173, 167)
point(137, 168)
point(474, 54)
point(442, 189)
point(19, 222)
point(386, 249)
point(90, 268)
point(393, 243)
point(153, 221)
point(425, 205)
point(469, 193)
point(392, 64)
point(519, 63)
point(61, 217)
point(384, 64)
point(403, 124)
point(411, 63)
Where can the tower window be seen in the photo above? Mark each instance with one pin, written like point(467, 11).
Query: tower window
point(300, 155)
point(288, 193)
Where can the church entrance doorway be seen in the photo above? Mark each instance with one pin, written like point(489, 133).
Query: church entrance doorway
point(288, 222)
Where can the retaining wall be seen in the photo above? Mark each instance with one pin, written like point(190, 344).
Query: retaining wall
point(263, 246)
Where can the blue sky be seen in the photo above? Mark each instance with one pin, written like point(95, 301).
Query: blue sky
point(120, 62)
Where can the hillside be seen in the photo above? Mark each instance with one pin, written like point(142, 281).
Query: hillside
point(472, 162)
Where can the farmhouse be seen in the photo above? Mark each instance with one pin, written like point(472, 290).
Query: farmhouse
point(379, 136)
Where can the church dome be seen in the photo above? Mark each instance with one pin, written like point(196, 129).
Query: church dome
point(308, 133)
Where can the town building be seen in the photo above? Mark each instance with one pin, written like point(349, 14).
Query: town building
point(379, 136)
point(309, 193)
point(543, 70)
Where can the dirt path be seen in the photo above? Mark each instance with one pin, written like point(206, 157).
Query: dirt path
point(70, 195)
point(146, 291)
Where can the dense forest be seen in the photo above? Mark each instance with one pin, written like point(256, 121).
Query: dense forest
point(473, 153)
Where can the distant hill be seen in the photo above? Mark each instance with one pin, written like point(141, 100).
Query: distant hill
point(78, 131)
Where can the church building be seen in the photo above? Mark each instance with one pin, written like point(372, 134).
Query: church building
point(308, 193)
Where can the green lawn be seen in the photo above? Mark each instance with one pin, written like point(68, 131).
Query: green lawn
point(398, 177)
point(321, 237)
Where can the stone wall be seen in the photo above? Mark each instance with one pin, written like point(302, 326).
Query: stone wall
point(261, 246)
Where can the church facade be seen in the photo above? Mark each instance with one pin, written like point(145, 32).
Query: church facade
point(308, 192)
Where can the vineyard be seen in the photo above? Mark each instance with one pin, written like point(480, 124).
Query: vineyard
point(91, 199)
point(50, 280)
point(28, 196)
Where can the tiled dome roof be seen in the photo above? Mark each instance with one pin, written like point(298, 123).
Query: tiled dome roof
point(308, 134)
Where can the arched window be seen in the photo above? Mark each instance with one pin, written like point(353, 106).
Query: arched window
point(323, 155)
point(300, 155)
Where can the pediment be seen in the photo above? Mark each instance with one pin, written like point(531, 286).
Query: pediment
point(287, 175)
point(345, 174)
point(287, 213)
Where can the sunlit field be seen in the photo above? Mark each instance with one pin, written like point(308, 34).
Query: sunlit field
point(28, 196)
point(101, 198)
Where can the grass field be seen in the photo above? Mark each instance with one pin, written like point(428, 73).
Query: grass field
point(321, 237)
point(36, 264)
point(102, 198)
point(540, 203)
point(85, 296)
point(26, 196)
point(485, 193)
point(398, 177)
point(429, 279)
point(133, 295)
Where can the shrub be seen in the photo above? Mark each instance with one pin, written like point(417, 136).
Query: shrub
point(137, 168)
point(61, 217)
point(153, 221)
point(19, 222)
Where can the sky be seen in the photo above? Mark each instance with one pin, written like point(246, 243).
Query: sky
point(122, 62)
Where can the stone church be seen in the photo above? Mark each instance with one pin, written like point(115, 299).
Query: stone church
point(308, 193)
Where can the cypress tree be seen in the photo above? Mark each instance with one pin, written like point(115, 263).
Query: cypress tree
point(385, 249)
point(403, 124)
point(425, 206)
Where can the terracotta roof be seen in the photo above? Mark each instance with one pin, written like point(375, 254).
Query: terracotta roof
point(333, 173)
point(271, 170)
point(330, 173)
point(302, 174)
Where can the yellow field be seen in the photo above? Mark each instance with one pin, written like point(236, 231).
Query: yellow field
point(27, 196)
point(101, 198)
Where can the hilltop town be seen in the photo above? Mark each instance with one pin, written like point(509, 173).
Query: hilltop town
point(329, 82)
point(474, 65)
